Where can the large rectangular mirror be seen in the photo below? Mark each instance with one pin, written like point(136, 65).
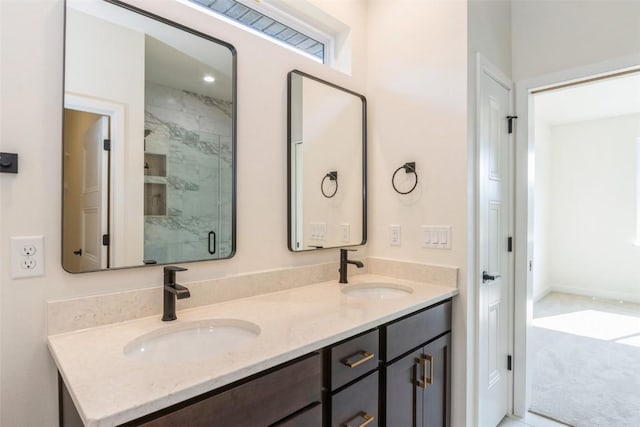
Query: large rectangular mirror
point(327, 151)
point(149, 147)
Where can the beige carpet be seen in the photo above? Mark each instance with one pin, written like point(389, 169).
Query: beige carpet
point(586, 361)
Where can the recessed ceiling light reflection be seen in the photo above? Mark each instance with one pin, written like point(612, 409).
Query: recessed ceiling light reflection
point(209, 78)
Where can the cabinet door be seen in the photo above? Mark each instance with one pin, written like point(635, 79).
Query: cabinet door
point(435, 382)
point(403, 400)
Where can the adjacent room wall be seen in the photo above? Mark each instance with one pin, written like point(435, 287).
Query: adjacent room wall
point(588, 241)
point(541, 215)
point(31, 114)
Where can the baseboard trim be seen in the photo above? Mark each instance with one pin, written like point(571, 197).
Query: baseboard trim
point(542, 293)
point(610, 295)
point(555, 420)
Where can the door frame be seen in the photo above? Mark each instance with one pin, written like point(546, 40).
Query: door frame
point(524, 196)
point(483, 65)
point(116, 114)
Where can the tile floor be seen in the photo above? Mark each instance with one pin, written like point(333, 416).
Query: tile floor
point(530, 420)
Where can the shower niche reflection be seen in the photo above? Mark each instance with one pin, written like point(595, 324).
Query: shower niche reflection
point(188, 166)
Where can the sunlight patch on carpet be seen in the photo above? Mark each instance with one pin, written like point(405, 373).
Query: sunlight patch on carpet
point(595, 324)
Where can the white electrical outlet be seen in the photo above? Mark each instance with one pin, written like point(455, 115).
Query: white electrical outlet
point(29, 250)
point(395, 235)
point(27, 256)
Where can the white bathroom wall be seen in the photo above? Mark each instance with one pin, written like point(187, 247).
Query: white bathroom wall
point(557, 35)
point(591, 204)
point(541, 215)
point(417, 97)
point(31, 117)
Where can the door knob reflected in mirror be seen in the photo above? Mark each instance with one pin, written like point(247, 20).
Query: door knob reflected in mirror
point(78, 252)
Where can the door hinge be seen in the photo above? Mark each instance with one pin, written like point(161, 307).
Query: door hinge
point(510, 121)
point(106, 144)
point(509, 363)
point(510, 244)
point(106, 240)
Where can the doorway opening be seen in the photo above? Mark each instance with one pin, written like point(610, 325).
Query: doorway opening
point(85, 200)
point(583, 337)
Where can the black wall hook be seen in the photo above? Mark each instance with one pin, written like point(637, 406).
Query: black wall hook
point(409, 167)
point(333, 176)
point(8, 163)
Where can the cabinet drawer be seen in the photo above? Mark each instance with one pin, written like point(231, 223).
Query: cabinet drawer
point(353, 358)
point(356, 405)
point(410, 332)
point(261, 401)
point(311, 417)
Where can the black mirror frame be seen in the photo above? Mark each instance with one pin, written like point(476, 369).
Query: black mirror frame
point(234, 131)
point(289, 154)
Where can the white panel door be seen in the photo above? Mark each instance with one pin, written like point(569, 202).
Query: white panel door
point(94, 196)
point(494, 223)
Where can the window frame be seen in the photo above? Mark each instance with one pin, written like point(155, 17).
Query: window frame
point(297, 23)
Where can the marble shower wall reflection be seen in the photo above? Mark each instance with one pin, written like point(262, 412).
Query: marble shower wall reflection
point(189, 138)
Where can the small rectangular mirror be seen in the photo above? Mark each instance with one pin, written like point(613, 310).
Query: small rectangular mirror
point(148, 140)
point(327, 174)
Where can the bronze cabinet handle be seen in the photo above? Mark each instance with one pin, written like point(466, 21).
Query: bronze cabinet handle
point(364, 357)
point(367, 419)
point(422, 361)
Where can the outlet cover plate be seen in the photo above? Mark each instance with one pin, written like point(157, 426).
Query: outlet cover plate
point(27, 256)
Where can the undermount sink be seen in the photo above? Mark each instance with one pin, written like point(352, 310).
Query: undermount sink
point(193, 340)
point(377, 290)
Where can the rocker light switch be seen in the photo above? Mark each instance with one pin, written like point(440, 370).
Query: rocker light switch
point(436, 236)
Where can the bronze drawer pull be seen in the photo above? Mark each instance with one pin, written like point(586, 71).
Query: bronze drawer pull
point(425, 381)
point(367, 419)
point(366, 356)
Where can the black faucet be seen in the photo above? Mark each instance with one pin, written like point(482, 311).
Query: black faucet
point(343, 264)
point(171, 291)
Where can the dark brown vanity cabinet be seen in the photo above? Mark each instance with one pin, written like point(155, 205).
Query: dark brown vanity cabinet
point(416, 371)
point(396, 375)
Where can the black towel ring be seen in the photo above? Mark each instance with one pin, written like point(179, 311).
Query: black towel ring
point(333, 176)
point(409, 167)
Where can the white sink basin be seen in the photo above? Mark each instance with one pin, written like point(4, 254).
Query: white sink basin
point(379, 291)
point(190, 341)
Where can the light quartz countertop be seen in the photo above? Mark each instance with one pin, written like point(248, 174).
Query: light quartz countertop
point(109, 388)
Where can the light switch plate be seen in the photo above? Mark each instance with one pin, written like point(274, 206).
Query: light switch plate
point(345, 232)
point(436, 236)
point(395, 238)
point(27, 256)
point(318, 231)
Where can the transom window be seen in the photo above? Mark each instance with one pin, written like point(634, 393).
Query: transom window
point(280, 28)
